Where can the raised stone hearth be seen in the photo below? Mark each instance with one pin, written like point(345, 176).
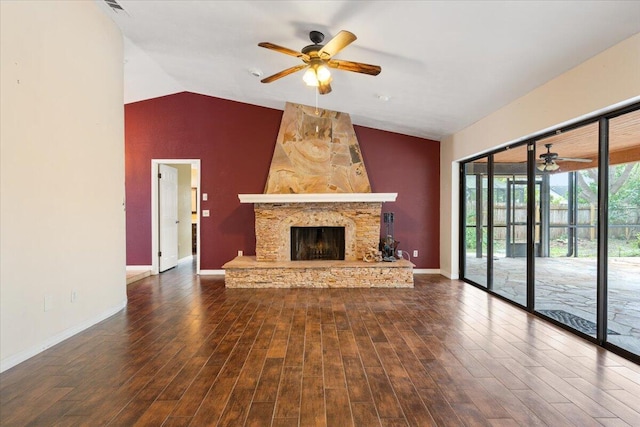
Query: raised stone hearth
point(247, 272)
point(272, 266)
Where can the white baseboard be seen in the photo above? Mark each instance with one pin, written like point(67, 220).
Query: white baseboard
point(186, 259)
point(449, 275)
point(212, 272)
point(426, 271)
point(16, 359)
point(138, 267)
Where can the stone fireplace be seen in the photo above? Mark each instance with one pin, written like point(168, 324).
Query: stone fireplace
point(317, 179)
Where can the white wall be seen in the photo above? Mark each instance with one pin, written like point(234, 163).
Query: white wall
point(62, 173)
point(610, 78)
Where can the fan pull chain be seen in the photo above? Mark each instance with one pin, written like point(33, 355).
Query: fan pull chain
point(317, 112)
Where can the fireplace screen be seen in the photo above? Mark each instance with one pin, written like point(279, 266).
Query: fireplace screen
point(316, 243)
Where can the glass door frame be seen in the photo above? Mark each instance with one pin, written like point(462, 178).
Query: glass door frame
point(602, 226)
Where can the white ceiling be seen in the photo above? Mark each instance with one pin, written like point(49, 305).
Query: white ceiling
point(445, 64)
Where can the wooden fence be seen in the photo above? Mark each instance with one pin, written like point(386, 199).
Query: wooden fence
point(625, 225)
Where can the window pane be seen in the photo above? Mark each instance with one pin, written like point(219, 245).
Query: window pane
point(476, 222)
point(566, 233)
point(510, 224)
point(623, 317)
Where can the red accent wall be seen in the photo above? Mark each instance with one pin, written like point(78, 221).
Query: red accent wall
point(409, 166)
point(235, 142)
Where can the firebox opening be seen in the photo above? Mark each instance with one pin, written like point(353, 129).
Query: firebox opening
point(317, 243)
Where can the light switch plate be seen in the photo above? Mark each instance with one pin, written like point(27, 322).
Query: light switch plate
point(205, 212)
point(205, 197)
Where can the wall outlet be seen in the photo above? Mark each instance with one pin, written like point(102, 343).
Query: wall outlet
point(74, 295)
point(415, 253)
point(240, 253)
point(48, 302)
point(205, 213)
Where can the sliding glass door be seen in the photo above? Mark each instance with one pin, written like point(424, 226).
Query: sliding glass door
point(509, 277)
point(623, 266)
point(553, 224)
point(475, 228)
point(566, 266)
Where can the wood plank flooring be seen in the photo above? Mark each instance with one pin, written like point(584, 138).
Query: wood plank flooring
point(187, 351)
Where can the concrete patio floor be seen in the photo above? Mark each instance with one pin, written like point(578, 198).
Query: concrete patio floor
point(569, 284)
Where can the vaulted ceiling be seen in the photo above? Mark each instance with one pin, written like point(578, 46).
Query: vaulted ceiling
point(445, 64)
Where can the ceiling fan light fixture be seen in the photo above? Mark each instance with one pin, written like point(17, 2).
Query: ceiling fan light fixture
point(323, 73)
point(310, 77)
point(548, 166)
point(317, 60)
point(317, 74)
point(324, 88)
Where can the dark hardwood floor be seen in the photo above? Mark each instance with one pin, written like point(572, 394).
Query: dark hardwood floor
point(187, 351)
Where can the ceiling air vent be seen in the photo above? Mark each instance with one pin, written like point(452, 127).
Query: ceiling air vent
point(113, 4)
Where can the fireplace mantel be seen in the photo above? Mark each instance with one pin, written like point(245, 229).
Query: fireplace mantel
point(318, 198)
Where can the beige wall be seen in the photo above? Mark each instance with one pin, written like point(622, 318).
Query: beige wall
point(610, 78)
point(184, 210)
point(62, 173)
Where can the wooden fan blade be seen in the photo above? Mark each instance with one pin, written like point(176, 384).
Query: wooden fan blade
point(336, 44)
point(356, 67)
point(324, 89)
point(283, 73)
point(571, 159)
point(284, 50)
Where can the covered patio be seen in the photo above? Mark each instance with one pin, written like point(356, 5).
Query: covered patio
point(569, 285)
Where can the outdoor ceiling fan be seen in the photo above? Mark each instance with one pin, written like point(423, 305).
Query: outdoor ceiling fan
point(547, 161)
point(317, 60)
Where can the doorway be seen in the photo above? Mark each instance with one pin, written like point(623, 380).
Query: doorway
point(516, 218)
point(192, 222)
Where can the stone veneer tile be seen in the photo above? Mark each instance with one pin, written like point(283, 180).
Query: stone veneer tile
point(274, 221)
point(247, 272)
point(316, 151)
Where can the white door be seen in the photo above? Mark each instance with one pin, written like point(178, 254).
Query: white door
point(168, 221)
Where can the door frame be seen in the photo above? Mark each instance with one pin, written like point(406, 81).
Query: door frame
point(155, 166)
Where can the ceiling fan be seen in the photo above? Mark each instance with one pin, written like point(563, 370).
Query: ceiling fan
point(317, 60)
point(547, 162)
